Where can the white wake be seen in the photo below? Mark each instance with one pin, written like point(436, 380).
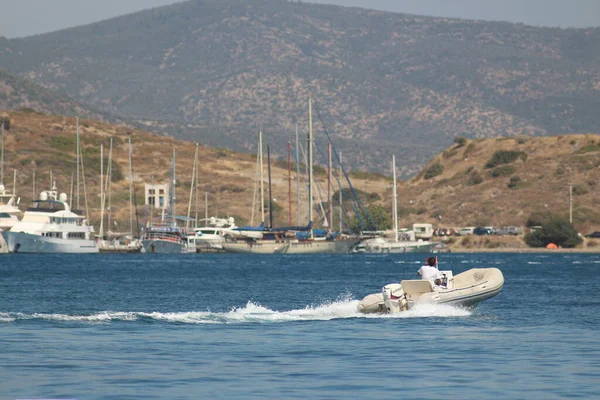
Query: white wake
point(252, 312)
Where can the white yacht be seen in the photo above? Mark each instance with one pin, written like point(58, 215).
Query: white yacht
point(212, 236)
point(9, 212)
point(51, 227)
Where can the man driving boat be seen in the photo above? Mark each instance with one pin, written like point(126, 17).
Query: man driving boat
point(430, 272)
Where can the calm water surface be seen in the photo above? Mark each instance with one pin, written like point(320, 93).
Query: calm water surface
point(141, 326)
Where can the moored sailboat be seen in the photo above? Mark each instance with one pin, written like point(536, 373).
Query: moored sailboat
point(381, 245)
point(166, 236)
point(289, 241)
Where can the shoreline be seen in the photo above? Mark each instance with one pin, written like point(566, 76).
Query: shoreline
point(521, 250)
point(509, 244)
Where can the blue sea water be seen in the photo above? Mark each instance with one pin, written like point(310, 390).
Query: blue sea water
point(219, 326)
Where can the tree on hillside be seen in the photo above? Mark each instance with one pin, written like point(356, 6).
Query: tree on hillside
point(554, 229)
point(378, 214)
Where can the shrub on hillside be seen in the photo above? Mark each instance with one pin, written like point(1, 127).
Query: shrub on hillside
point(63, 143)
point(433, 171)
point(460, 141)
point(368, 176)
point(505, 157)
point(502, 171)
point(590, 147)
point(554, 229)
point(514, 182)
point(474, 179)
point(580, 189)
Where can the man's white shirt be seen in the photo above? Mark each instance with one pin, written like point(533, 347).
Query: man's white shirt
point(430, 273)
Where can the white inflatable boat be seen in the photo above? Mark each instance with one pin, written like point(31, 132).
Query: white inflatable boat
point(467, 288)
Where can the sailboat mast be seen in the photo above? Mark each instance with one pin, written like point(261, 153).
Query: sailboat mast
point(206, 207)
point(71, 193)
point(153, 202)
point(109, 185)
point(289, 182)
point(310, 163)
point(78, 150)
point(130, 190)
point(341, 191)
point(297, 177)
point(187, 222)
point(262, 178)
point(329, 198)
point(395, 200)
point(270, 192)
point(196, 190)
point(173, 189)
point(101, 229)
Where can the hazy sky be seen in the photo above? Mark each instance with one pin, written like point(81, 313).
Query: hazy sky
point(28, 17)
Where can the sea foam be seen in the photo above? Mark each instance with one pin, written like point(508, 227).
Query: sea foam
point(252, 312)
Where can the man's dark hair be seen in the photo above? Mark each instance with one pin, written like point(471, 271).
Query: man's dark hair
point(431, 261)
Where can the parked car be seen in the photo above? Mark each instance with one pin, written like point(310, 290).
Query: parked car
point(595, 235)
point(481, 230)
point(493, 229)
point(465, 231)
point(509, 230)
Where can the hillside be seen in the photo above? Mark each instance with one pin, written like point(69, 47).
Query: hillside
point(464, 193)
point(47, 145)
point(384, 83)
point(471, 191)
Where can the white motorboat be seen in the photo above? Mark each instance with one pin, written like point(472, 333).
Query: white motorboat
point(9, 211)
point(206, 238)
point(380, 245)
point(465, 289)
point(51, 227)
point(216, 232)
point(9, 214)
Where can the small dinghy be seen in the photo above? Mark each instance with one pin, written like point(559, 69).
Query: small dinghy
point(467, 288)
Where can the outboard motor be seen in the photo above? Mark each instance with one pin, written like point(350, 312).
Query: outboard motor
point(394, 298)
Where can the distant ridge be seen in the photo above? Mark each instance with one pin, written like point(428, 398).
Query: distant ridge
point(21, 93)
point(385, 83)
